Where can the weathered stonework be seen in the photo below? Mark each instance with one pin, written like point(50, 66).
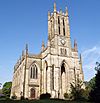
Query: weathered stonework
point(57, 65)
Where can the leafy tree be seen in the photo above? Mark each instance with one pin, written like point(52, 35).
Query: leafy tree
point(0, 84)
point(77, 91)
point(95, 92)
point(88, 87)
point(91, 83)
point(7, 89)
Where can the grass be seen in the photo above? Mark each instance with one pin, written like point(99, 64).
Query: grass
point(40, 101)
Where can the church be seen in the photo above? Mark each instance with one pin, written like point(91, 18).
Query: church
point(54, 68)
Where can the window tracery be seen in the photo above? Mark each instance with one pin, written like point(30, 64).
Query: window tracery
point(34, 72)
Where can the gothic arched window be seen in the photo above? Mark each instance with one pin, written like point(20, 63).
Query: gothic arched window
point(63, 22)
point(53, 77)
point(63, 27)
point(34, 72)
point(31, 73)
point(59, 24)
point(64, 31)
point(46, 75)
point(62, 68)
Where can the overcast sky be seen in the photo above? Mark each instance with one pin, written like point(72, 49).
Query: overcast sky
point(25, 21)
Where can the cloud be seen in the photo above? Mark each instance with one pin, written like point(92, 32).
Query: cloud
point(90, 57)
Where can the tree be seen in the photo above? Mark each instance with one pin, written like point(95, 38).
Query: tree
point(7, 89)
point(76, 90)
point(95, 92)
point(0, 89)
point(0, 84)
point(88, 87)
point(91, 83)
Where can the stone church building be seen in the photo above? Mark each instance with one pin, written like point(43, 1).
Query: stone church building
point(54, 68)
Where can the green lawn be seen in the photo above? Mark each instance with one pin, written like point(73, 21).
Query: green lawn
point(41, 101)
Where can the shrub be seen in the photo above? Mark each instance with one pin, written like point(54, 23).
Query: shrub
point(66, 95)
point(3, 97)
point(77, 93)
point(14, 97)
point(6, 90)
point(45, 96)
point(26, 99)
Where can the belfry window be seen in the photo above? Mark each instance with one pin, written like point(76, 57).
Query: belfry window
point(64, 31)
point(34, 72)
point(63, 27)
point(59, 24)
point(59, 29)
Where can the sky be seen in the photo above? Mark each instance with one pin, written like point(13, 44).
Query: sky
point(25, 21)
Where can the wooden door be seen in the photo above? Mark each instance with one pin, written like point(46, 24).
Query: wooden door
point(32, 93)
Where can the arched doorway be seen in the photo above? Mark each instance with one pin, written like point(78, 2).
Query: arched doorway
point(32, 93)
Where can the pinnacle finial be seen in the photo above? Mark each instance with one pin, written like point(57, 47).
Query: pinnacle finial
point(43, 46)
point(60, 10)
point(48, 14)
point(54, 7)
point(66, 8)
point(80, 58)
point(81, 65)
point(66, 11)
point(26, 48)
point(75, 45)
